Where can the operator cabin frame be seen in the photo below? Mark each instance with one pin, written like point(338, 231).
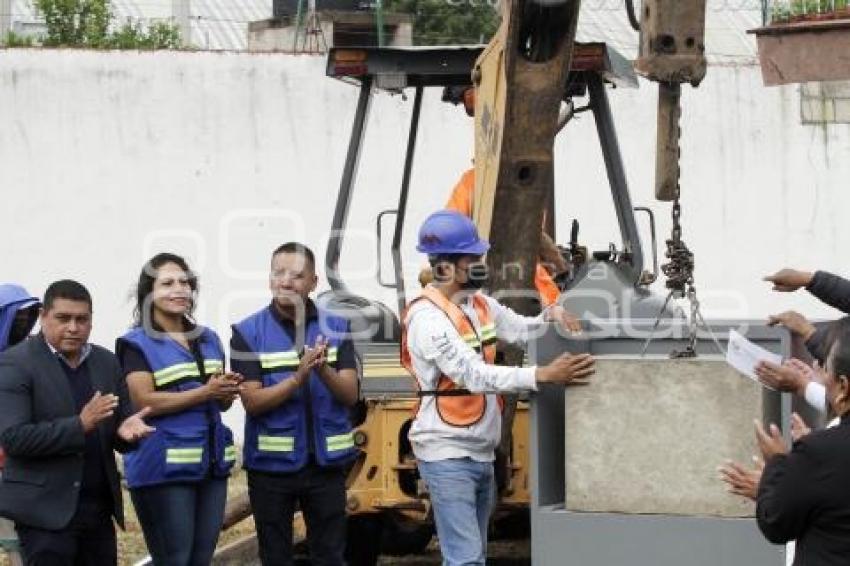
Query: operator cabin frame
point(397, 69)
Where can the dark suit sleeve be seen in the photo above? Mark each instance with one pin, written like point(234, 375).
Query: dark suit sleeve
point(832, 290)
point(817, 343)
point(788, 492)
point(125, 408)
point(19, 436)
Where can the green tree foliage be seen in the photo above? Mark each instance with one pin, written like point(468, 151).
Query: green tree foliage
point(16, 40)
point(75, 23)
point(448, 22)
point(160, 35)
point(88, 23)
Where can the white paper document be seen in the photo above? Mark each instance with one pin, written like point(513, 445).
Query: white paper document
point(744, 356)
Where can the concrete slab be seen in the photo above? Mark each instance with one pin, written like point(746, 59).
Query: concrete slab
point(648, 435)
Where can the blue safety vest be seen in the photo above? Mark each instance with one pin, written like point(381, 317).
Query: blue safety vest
point(276, 441)
point(193, 444)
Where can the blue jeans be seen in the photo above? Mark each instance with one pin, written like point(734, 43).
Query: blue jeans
point(462, 492)
point(181, 521)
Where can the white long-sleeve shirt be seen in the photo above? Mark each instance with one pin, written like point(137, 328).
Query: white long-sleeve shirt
point(815, 395)
point(436, 348)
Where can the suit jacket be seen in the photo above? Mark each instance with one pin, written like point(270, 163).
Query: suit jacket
point(43, 436)
point(805, 496)
point(834, 291)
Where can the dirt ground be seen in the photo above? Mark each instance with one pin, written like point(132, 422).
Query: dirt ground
point(499, 553)
point(131, 544)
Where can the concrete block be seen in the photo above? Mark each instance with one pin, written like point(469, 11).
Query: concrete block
point(648, 435)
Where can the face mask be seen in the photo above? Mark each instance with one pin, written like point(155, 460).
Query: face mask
point(477, 276)
point(21, 326)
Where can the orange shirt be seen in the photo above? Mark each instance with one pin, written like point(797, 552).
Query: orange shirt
point(463, 193)
point(461, 200)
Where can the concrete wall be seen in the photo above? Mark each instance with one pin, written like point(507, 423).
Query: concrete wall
point(106, 158)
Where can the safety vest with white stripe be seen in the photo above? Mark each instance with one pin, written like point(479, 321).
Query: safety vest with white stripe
point(277, 441)
point(457, 406)
point(190, 445)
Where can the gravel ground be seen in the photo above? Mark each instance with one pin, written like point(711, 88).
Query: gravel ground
point(131, 545)
point(499, 553)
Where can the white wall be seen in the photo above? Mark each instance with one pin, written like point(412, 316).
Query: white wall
point(106, 158)
point(760, 190)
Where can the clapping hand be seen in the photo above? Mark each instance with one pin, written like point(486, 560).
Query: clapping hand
point(134, 427)
point(312, 358)
point(223, 387)
point(741, 481)
point(771, 444)
point(99, 408)
point(799, 428)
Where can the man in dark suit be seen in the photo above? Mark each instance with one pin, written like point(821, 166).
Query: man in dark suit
point(803, 495)
point(64, 408)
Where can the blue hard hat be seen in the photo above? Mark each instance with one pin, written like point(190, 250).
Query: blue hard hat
point(450, 232)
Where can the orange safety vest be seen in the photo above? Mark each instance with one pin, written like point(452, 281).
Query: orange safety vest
point(455, 405)
point(461, 200)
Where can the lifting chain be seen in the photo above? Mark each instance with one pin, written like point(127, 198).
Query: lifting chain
point(679, 270)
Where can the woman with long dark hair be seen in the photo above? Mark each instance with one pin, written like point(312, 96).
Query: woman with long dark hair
point(177, 476)
point(802, 493)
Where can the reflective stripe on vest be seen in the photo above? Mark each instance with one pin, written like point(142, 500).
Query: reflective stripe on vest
point(340, 442)
point(457, 406)
point(282, 440)
point(275, 443)
point(290, 359)
point(332, 354)
point(184, 455)
point(189, 445)
point(282, 360)
point(176, 372)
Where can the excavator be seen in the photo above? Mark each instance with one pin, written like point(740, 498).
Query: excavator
point(528, 82)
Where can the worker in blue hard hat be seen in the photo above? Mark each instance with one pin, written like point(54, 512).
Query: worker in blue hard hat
point(18, 314)
point(448, 346)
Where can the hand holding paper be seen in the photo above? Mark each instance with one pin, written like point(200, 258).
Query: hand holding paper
point(744, 356)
